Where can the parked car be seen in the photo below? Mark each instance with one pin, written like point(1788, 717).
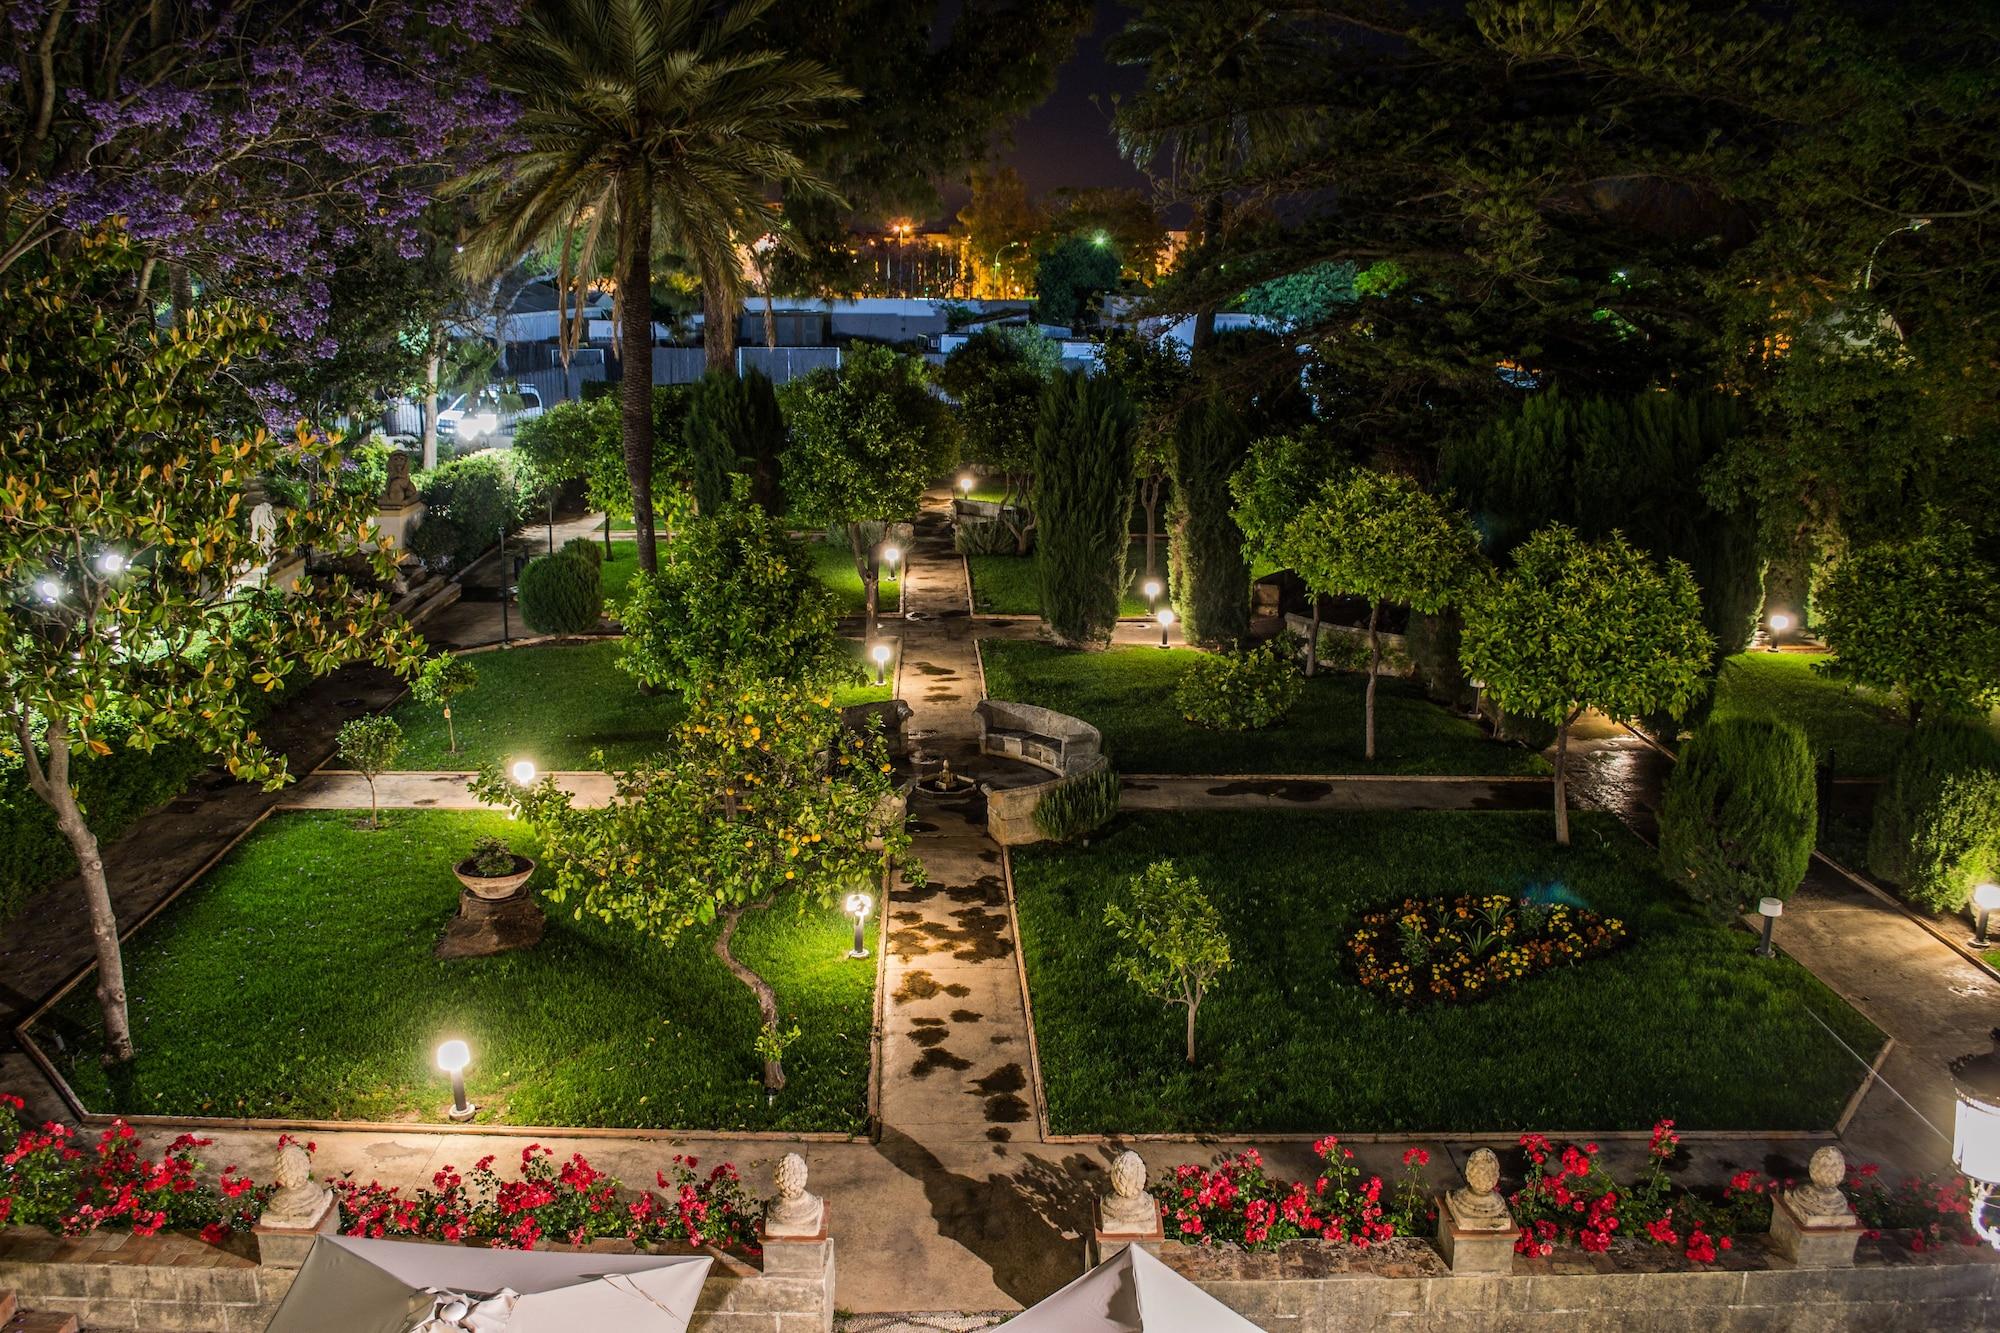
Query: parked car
point(482, 416)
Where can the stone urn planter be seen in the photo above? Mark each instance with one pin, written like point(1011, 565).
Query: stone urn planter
point(493, 888)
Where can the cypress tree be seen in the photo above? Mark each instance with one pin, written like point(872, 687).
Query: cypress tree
point(734, 425)
point(1210, 580)
point(1083, 495)
point(1739, 813)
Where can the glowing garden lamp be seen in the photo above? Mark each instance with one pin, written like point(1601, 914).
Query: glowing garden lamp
point(1975, 1139)
point(1770, 909)
point(857, 906)
point(965, 485)
point(891, 554)
point(1984, 899)
point(523, 771)
point(881, 652)
point(1780, 622)
point(49, 590)
point(452, 1058)
point(1152, 590)
point(1166, 618)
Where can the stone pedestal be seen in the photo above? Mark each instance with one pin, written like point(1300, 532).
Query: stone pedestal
point(1812, 1225)
point(486, 926)
point(1110, 1237)
point(1475, 1232)
point(300, 1211)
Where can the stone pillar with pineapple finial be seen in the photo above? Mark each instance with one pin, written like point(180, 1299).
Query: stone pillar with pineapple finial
point(1812, 1225)
point(1127, 1215)
point(1475, 1232)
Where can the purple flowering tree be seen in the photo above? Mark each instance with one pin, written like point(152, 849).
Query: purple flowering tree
point(246, 145)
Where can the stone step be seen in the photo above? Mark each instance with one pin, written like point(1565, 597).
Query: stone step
point(31, 1321)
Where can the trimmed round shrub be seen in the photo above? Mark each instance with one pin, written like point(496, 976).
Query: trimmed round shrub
point(1937, 822)
point(585, 548)
point(561, 594)
point(1739, 814)
point(1241, 691)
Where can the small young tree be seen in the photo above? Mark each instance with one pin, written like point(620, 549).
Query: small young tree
point(1083, 493)
point(1578, 625)
point(1274, 485)
point(122, 526)
point(1176, 944)
point(443, 678)
point(368, 745)
point(866, 440)
point(1381, 537)
point(997, 377)
point(1916, 618)
point(733, 595)
point(763, 795)
point(734, 427)
point(1211, 579)
point(1740, 812)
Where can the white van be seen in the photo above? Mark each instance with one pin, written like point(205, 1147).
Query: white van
point(495, 408)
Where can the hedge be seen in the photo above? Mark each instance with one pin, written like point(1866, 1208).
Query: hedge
point(1937, 822)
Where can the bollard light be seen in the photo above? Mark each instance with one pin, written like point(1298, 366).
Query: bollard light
point(1152, 591)
point(881, 652)
point(965, 484)
point(890, 555)
point(1166, 619)
point(1770, 909)
point(1984, 899)
point(523, 771)
point(1780, 622)
point(857, 905)
point(452, 1058)
point(1975, 1140)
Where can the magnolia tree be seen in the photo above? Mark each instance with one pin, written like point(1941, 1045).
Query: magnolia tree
point(763, 795)
point(1381, 537)
point(866, 440)
point(1576, 625)
point(1176, 944)
point(734, 595)
point(122, 525)
point(1917, 619)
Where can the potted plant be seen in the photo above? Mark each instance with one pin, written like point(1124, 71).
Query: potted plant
point(493, 871)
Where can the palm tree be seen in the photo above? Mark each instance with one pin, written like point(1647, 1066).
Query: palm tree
point(636, 114)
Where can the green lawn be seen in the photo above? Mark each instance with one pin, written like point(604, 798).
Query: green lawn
point(834, 564)
point(1683, 1022)
point(555, 704)
point(1005, 585)
point(298, 981)
point(1127, 693)
point(1857, 725)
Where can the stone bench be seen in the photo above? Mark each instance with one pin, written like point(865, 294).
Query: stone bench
point(894, 713)
point(1062, 744)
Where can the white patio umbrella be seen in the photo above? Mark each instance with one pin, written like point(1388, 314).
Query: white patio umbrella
point(1130, 1293)
point(352, 1285)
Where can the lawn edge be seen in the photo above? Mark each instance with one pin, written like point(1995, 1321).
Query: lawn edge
point(1027, 1000)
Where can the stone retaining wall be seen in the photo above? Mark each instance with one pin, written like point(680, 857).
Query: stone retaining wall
point(1290, 1290)
point(1010, 811)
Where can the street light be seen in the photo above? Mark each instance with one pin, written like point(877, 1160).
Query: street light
point(1770, 909)
point(857, 905)
point(1152, 591)
point(50, 590)
point(523, 771)
point(1984, 899)
point(881, 653)
point(1975, 1140)
point(452, 1058)
point(1166, 619)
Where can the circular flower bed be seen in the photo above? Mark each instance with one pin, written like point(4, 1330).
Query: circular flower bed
point(1419, 951)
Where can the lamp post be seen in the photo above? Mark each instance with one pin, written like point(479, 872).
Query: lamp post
point(452, 1058)
point(965, 485)
point(891, 554)
point(522, 771)
point(1770, 909)
point(1166, 618)
point(1984, 899)
point(1780, 622)
point(503, 585)
point(1152, 591)
point(857, 906)
point(881, 652)
point(1975, 1139)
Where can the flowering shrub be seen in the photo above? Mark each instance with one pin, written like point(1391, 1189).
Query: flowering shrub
point(1237, 1203)
point(1932, 1210)
point(1240, 691)
point(570, 1202)
point(55, 1177)
point(1468, 947)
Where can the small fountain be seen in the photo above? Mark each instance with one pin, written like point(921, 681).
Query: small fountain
point(945, 784)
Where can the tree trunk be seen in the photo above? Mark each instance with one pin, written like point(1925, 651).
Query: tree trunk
point(1204, 317)
point(767, 999)
point(52, 785)
point(1149, 496)
point(1374, 661)
point(1193, 1007)
point(770, 320)
point(635, 308)
point(1312, 644)
point(1562, 781)
point(718, 323)
point(433, 366)
point(871, 576)
point(374, 812)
